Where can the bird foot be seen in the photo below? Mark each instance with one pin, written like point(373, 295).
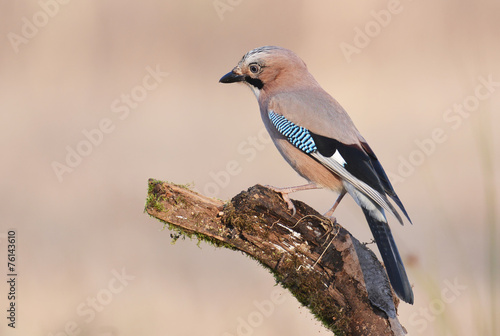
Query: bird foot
point(284, 194)
point(328, 228)
point(285, 191)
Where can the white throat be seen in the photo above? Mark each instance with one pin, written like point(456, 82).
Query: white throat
point(255, 90)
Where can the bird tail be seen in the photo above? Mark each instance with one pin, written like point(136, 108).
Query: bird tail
point(390, 255)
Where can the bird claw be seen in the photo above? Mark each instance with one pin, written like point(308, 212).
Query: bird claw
point(286, 198)
point(290, 204)
point(328, 228)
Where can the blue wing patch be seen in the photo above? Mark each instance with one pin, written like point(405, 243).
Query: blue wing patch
point(298, 136)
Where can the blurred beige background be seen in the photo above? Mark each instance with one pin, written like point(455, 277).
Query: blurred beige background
point(70, 67)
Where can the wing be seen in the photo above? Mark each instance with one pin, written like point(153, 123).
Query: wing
point(348, 161)
point(389, 190)
point(300, 104)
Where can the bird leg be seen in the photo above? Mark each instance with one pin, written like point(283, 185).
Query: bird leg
point(285, 191)
point(329, 213)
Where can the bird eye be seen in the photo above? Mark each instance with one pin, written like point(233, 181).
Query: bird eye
point(254, 68)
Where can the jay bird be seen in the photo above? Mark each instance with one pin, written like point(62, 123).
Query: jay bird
point(316, 136)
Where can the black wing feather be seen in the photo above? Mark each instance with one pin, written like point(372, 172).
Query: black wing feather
point(358, 164)
point(389, 190)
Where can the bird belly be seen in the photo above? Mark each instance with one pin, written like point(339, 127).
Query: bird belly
point(308, 167)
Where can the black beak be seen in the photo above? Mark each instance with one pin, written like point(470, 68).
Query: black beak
point(231, 77)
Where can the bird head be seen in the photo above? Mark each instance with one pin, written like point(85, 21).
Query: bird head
point(266, 67)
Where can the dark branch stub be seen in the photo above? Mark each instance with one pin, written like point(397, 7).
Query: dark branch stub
point(258, 223)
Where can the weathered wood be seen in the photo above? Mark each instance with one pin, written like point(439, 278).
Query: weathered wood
point(318, 261)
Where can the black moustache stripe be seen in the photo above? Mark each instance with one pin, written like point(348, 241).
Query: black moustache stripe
point(255, 82)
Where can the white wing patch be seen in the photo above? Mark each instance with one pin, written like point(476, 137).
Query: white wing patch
point(337, 157)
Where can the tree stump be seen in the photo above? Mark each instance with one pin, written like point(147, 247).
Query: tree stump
point(326, 269)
